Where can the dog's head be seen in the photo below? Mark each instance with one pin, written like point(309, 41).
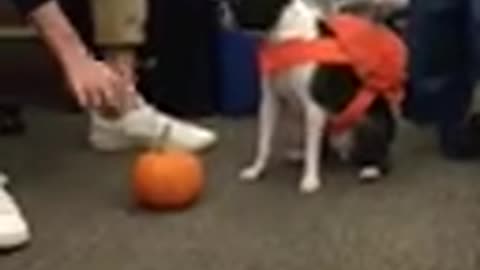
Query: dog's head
point(301, 18)
point(279, 18)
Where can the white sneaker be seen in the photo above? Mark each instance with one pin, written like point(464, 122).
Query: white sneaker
point(143, 127)
point(14, 230)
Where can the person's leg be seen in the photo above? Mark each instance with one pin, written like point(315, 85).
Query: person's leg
point(475, 37)
point(118, 31)
point(441, 78)
point(14, 230)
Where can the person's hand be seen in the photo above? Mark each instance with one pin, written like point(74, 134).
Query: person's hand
point(124, 62)
point(96, 85)
point(93, 83)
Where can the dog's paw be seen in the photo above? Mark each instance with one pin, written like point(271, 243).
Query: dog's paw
point(250, 174)
point(309, 185)
point(370, 174)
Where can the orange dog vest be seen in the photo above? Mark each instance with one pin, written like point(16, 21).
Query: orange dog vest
point(377, 55)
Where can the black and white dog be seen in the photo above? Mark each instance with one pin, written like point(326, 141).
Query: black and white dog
point(314, 93)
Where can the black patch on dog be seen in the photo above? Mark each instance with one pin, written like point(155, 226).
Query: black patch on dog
point(373, 137)
point(333, 88)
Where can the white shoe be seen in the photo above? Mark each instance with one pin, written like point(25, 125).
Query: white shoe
point(14, 230)
point(143, 127)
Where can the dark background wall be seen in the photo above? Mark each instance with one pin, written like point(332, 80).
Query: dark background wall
point(8, 16)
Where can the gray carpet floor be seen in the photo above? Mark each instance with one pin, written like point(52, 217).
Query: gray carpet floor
point(426, 215)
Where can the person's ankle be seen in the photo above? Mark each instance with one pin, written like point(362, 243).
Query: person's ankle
point(123, 61)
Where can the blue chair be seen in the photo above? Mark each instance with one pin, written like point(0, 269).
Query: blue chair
point(238, 74)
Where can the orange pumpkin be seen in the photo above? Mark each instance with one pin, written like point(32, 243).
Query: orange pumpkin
point(169, 179)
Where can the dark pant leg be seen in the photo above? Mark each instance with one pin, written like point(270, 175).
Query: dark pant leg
point(474, 31)
point(440, 70)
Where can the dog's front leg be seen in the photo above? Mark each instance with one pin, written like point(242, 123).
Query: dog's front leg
point(316, 119)
point(266, 125)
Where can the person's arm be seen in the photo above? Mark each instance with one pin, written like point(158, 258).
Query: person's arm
point(59, 35)
point(92, 82)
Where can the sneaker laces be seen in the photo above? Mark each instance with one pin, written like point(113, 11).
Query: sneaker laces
point(143, 123)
